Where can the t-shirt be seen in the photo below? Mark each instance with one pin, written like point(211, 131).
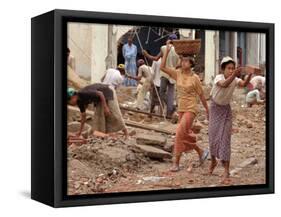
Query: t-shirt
point(113, 78)
point(253, 95)
point(188, 89)
point(223, 95)
point(172, 61)
point(156, 72)
point(89, 94)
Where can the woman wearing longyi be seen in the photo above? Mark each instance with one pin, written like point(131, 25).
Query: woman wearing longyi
point(188, 89)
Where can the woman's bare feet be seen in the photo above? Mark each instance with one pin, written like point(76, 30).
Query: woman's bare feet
point(226, 179)
point(213, 165)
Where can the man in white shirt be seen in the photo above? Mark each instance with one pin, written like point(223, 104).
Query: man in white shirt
point(145, 77)
point(114, 77)
point(156, 80)
point(167, 83)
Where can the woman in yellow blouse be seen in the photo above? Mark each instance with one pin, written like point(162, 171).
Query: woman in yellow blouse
point(188, 89)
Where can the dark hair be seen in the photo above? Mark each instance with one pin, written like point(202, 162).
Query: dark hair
point(226, 63)
point(190, 59)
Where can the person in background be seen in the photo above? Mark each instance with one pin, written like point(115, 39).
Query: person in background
point(220, 119)
point(167, 84)
point(107, 117)
point(189, 88)
point(154, 97)
point(255, 96)
point(258, 80)
point(71, 60)
point(114, 77)
point(144, 74)
point(129, 51)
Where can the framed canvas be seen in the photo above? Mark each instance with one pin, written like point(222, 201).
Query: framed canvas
point(134, 108)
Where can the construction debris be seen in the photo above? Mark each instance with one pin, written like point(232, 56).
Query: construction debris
point(153, 152)
point(101, 164)
point(151, 139)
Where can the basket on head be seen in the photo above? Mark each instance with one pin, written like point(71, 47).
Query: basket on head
point(187, 47)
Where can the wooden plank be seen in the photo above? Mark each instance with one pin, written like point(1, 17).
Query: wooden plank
point(142, 112)
point(147, 127)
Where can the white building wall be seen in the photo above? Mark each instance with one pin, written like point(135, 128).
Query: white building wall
point(99, 51)
point(79, 42)
point(211, 55)
point(252, 48)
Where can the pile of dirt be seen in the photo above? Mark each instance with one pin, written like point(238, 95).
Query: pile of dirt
point(95, 166)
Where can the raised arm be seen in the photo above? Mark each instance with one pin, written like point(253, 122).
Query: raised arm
point(250, 71)
point(154, 58)
point(170, 71)
point(83, 121)
point(225, 83)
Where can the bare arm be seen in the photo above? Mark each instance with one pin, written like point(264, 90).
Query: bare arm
point(170, 71)
point(244, 83)
point(250, 71)
point(154, 58)
point(83, 121)
point(225, 83)
point(205, 104)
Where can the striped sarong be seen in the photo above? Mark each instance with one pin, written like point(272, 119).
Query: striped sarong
point(220, 126)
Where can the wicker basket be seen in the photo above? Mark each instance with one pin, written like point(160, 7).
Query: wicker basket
point(187, 47)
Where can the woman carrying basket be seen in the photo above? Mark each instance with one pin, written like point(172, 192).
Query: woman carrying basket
point(188, 89)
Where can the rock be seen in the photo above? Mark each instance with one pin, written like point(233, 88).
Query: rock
point(153, 178)
point(199, 138)
point(132, 133)
point(249, 124)
point(201, 118)
point(168, 147)
point(153, 152)
point(73, 127)
point(116, 154)
point(175, 118)
point(205, 122)
point(235, 171)
point(145, 139)
point(197, 126)
point(131, 157)
point(249, 161)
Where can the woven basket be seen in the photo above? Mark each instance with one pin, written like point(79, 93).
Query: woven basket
point(187, 47)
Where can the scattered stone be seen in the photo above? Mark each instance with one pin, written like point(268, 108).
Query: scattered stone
point(153, 152)
point(146, 139)
point(132, 133)
point(197, 126)
point(168, 147)
point(247, 162)
point(153, 178)
point(249, 124)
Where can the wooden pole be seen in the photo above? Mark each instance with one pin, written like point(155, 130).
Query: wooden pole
point(142, 112)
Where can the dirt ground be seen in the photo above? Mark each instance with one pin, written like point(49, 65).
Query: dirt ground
point(105, 165)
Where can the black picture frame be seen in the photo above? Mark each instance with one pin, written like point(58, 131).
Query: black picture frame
point(48, 109)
